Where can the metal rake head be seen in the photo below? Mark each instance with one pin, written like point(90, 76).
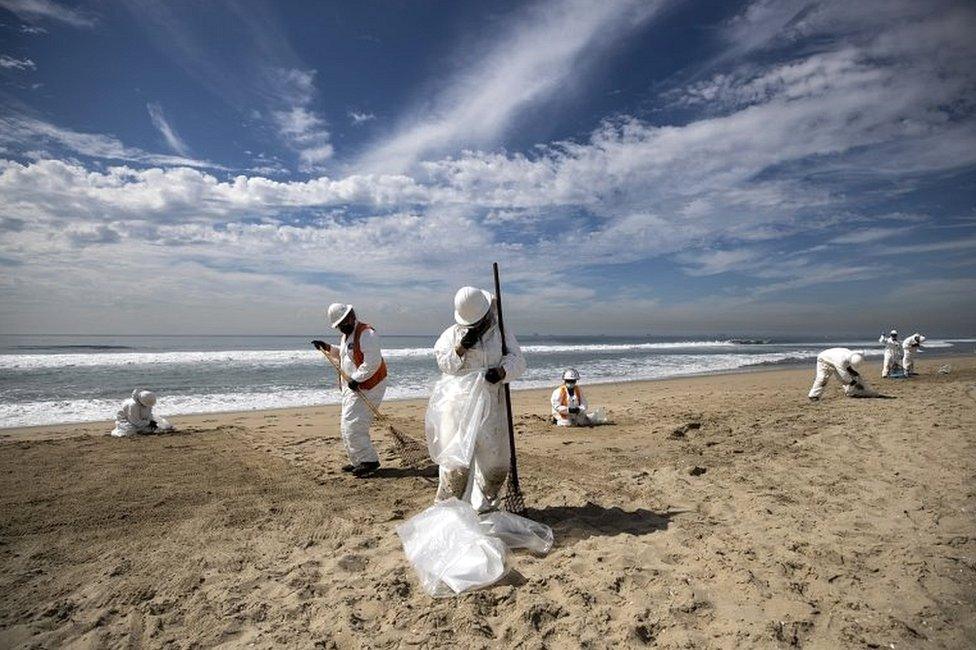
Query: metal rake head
point(513, 501)
point(410, 451)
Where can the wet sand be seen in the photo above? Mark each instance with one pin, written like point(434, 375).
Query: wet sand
point(714, 512)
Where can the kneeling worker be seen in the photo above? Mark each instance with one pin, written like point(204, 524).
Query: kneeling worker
point(568, 404)
point(364, 378)
point(136, 416)
point(843, 363)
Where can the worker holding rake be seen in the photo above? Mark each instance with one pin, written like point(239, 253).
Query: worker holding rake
point(475, 343)
point(363, 383)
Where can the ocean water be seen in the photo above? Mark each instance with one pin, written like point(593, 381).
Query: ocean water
point(48, 379)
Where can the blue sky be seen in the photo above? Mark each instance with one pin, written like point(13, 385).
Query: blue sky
point(636, 167)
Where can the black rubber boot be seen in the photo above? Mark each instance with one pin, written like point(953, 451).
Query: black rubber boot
point(365, 469)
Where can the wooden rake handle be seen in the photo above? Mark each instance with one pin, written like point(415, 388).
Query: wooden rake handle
point(342, 375)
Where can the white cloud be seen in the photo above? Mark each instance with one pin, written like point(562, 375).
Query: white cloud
point(542, 54)
point(301, 127)
point(165, 129)
point(10, 63)
point(781, 152)
point(25, 132)
point(48, 9)
point(32, 29)
point(868, 235)
point(359, 117)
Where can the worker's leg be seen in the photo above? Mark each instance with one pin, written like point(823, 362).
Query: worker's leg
point(357, 417)
point(820, 381)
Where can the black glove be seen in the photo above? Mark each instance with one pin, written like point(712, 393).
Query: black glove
point(494, 375)
point(574, 410)
point(152, 424)
point(321, 345)
point(352, 384)
point(470, 337)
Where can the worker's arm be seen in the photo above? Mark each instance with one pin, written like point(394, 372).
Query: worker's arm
point(513, 362)
point(846, 373)
point(369, 343)
point(581, 400)
point(556, 405)
point(445, 352)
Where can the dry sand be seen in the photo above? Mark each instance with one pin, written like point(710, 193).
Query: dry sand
point(845, 523)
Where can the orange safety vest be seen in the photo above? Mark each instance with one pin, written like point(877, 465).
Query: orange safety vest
point(564, 396)
point(358, 357)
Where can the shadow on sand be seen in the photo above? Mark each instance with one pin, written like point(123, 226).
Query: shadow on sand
point(430, 471)
point(576, 523)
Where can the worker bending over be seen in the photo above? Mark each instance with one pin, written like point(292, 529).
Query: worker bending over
point(910, 348)
point(842, 363)
point(363, 378)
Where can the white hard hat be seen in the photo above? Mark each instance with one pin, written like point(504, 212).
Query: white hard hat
point(146, 397)
point(336, 312)
point(571, 375)
point(894, 332)
point(470, 305)
point(857, 359)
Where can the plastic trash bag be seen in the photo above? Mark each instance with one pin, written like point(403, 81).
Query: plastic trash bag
point(597, 415)
point(518, 532)
point(450, 550)
point(459, 408)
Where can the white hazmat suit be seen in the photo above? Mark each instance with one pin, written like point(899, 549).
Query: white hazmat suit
point(491, 453)
point(909, 347)
point(563, 399)
point(136, 415)
point(892, 353)
point(361, 359)
point(840, 362)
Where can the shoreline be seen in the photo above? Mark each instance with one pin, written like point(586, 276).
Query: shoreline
point(93, 427)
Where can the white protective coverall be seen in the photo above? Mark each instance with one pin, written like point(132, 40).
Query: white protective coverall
point(491, 453)
point(909, 347)
point(562, 399)
point(356, 417)
point(892, 354)
point(136, 414)
point(837, 361)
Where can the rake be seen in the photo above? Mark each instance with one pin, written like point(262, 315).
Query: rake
point(514, 501)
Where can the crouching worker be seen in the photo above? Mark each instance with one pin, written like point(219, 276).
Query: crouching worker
point(136, 416)
point(474, 344)
point(568, 403)
point(843, 363)
point(364, 378)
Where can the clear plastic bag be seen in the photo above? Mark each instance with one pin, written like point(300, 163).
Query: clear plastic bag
point(597, 415)
point(459, 408)
point(450, 551)
point(518, 532)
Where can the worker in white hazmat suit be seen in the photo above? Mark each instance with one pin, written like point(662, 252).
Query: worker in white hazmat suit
point(892, 353)
point(361, 360)
point(910, 347)
point(842, 363)
point(475, 343)
point(136, 415)
point(568, 403)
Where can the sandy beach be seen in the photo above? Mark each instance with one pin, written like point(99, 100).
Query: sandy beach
point(716, 511)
